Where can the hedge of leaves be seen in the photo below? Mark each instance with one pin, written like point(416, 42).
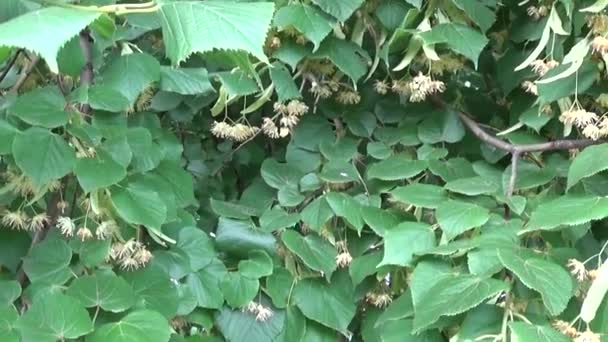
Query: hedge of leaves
point(314, 170)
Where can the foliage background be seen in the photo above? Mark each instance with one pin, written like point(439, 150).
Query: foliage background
point(374, 170)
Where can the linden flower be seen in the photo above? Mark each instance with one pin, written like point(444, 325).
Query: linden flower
point(270, 129)
point(343, 259)
point(105, 230)
point(530, 87)
point(540, 67)
point(261, 312)
point(84, 234)
point(15, 219)
point(600, 44)
point(289, 121)
point(298, 108)
point(283, 132)
point(400, 87)
point(242, 132)
point(579, 117)
point(348, 97)
point(221, 129)
point(321, 91)
point(66, 226)
point(592, 132)
point(279, 108)
point(38, 222)
point(592, 274)
point(565, 328)
point(587, 336)
point(422, 86)
point(379, 300)
point(577, 269)
point(381, 87)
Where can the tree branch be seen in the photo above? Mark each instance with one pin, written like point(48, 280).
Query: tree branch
point(9, 65)
point(86, 74)
point(25, 73)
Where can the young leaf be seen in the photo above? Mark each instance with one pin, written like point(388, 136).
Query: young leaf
point(194, 26)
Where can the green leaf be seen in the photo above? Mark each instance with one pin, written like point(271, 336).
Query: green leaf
point(53, 317)
point(404, 240)
point(568, 210)
point(257, 266)
point(137, 326)
point(529, 175)
point(185, 81)
point(588, 162)
point(10, 290)
point(456, 217)
point(551, 280)
point(444, 126)
point(8, 318)
point(98, 172)
point(364, 266)
point(400, 308)
point(277, 218)
point(232, 210)
point(103, 97)
point(239, 237)
point(326, 304)
point(312, 23)
point(291, 53)
point(45, 31)
point(317, 213)
point(193, 26)
point(597, 6)
point(349, 57)
point(315, 252)
point(341, 10)
point(231, 322)
point(197, 245)
point(472, 186)
point(579, 82)
point(284, 84)
point(420, 195)
point(41, 107)
point(238, 289)
point(206, 285)
point(104, 290)
point(138, 205)
point(453, 295)
point(525, 332)
point(462, 39)
point(478, 12)
point(132, 73)
point(346, 207)
point(343, 149)
point(397, 167)
point(379, 220)
point(180, 181)
point(51, 158)
point(278, 286)
point(7, 135)
point(48, 262)
point(154, 289)
point(279, 175)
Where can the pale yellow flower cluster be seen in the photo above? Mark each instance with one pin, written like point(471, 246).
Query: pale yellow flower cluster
point(593, 126)
point(130, 255)
point(261, 312)
point(418, 88)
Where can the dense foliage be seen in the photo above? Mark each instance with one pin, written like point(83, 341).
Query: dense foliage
point(314, 170)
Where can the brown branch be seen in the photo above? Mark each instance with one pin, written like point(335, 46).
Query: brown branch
point(10, 65)
point(25, 73)
point(86, 74)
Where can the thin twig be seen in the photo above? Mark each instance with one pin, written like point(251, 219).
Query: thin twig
point(513, 178)
point(10, 65)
